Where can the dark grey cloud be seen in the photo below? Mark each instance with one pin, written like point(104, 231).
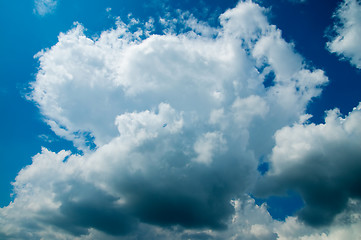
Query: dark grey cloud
point(192, 197)
point(85, 206)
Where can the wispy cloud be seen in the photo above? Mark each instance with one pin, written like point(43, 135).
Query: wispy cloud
point(298, 1)
point(44, 7)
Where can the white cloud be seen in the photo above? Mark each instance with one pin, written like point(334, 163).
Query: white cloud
point(180, 121)
point(348, 32)
point(147, 125)
point(43, 7)
point(321, 162)
point(207, 144)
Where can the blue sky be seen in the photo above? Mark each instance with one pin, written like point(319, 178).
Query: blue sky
point(173, 119)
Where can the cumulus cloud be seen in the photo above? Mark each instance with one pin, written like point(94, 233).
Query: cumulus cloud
point(321, 162)
point(348, 32)
point(171, 129)
point(43, 7)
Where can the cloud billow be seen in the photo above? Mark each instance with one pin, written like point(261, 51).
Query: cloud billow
point(321, 162)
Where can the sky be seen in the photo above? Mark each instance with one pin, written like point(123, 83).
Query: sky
point(170, 119)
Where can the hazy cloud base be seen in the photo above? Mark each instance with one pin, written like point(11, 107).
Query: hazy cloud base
point(180, 122)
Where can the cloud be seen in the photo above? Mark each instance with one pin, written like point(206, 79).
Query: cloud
point(44, 7)
point(321, 162)
point(298, 1)
point(348, 31)
point(171, 129)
